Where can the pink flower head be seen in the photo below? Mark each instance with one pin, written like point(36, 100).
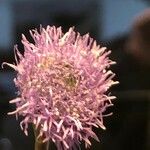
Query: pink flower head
point(63, 81)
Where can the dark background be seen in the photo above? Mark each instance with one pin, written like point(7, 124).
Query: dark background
point(110, 22)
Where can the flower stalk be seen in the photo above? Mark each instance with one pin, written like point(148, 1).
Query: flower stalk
point(39, 144)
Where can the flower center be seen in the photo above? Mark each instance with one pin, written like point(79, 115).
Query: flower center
point(55, 84)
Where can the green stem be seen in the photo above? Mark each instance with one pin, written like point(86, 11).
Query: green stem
point(39, 145)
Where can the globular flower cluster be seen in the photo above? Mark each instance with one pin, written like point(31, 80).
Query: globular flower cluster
point(63, 82)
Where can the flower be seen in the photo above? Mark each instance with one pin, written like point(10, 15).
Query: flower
point(63, 82)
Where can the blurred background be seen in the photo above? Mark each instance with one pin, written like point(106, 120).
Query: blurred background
point(121, 25)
